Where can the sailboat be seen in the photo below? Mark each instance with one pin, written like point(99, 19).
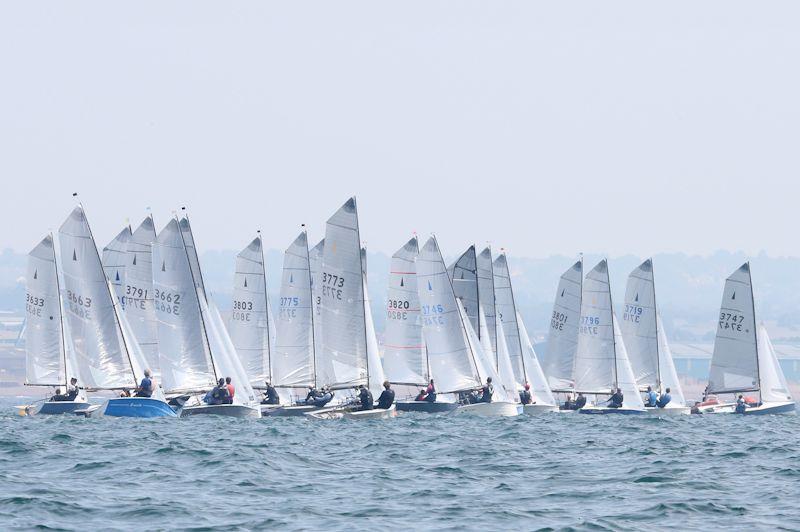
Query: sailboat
point(347, 357)
point(195, 349)
point(455, 357)
point(46, 346)
point(744, 360)
point(646, 342)
point(601, 361)
point(514, 347)
point(294, 363)
point(562, 343)
point(251, 327)
point(106, 353)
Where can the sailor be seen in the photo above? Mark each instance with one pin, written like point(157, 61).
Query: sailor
point(231, 390)
point(487, 391)
point(271, 396)
point(664, 399)
point(569, 404)
point(421, 396)
point(321, 399)
point(387, 396)
point(525, 396)
point(146, 387)
point(430, 393)
point(650, 397)
point(616, 399)
point(218, 395)
point(580, 402)
point(72, 392)
point(312, 395)
point(741, 405)
point(365, 397)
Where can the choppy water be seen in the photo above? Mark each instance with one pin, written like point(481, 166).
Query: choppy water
point(420, 472)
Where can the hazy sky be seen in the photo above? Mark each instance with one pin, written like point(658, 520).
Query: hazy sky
point(545, 127)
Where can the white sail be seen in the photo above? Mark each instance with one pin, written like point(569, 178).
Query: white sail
point(315, 263)
point(507, 315)
point(342, 360)
point(194, 259)
point(114, 263)
point(504, 369)
point(139, 306)
point(562, 343)
point(464, 274)
point(293, 362)
point(138, 360)
point(404, 357)
point(734, 364)
point(374, 364)
point(773, 383)
point(451, 362)
point(45, 360)
point(101, 355)
point(669, 377)
point(184, 353)
point(249, 324)
point(639, 328)
point(225, 359)
point(595, 358)
point(625, 380)
point(486, 296)
point(484, 362)
point(540, 388)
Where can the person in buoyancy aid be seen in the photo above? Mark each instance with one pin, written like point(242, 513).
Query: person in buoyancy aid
point(231, 391)
point(741, 405)
point(219, 394)
point(323, 398)
point(147, 386)
point(312, 395)
point(421, 395)
point(664, 399)
point(650, 398)
point(387, 396)
point(271, 396)
point(72, 392)
point(487, 391)
point(525, 396)
point(580, 402)
point(616, 399)
point(365, 398)
point(430, 393)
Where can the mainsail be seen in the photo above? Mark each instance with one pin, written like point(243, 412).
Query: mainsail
point(114, 263)
point(342, 359)
point(139, 305)
point(45, 361)
point(486, 296)
point(100, 351)
point(451, 360)
point(562, 343)
point(464, 275)
point(595, 359)
point(250, 324)
point(639, 326)
point(191, 251)
point(404, 358)
point(734, 364)
point(507, 317)
point(184, 353)
point(293, 361)
point(315, 263)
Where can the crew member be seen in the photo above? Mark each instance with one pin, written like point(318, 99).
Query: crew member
point(664, 399)
point(387, 396)
point(365, 397)
point(271, 396)
point(146, 387)
point(487, 391)
point(650, 397)
point(525, 396)
point(616, 399)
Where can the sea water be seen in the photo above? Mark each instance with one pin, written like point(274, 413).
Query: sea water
point(413, 472)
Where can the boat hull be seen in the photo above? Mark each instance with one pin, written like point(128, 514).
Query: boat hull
point(496, 409)
point(353, 413)
point(138, 407)
point(669, 411)
point(533, 410)
point(603, 410)
point(291, 411)
point(240, 411)
point(52, 408)
point(784, 407)
point(267, 410)
point(425, 406)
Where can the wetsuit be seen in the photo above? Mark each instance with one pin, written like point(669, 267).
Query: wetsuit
point(486, 393)
point(616, 400)
point(386, 399)
point(322, 400)
point(365, 396)
point(271, 397)
point(430, 394)
point(664, 401)
point(579, 403)
point(525, 397)
point(741, 406)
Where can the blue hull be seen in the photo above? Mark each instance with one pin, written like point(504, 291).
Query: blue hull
point(61, 407)
point(610, 411)
point(138, 407)
point(424, 406)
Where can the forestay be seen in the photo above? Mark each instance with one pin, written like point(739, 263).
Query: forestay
point(464, 275)
point(734, 364)
point(293, 362)
point(486, 297)
point(184, 353)
point(315, 263)
point(404, 357)
point(451, 362)
point(194, 259)
point(139, 305)
point(773, 383)
point(45, 361)
point(250, 316)
point(100, 353)
point(342, 360)
point(114, 263)
point(507, 317)
point(639, 327)
point(562, 342)
point(595, 359)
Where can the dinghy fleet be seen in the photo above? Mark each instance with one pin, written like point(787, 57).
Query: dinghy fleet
point(137, 323)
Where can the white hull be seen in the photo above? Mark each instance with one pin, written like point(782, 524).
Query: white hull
point(240, 411)
point(497, 409)
point(532, 410)
point(764, 409)
point(669, 411)
point(611, 411)
point(347, 413)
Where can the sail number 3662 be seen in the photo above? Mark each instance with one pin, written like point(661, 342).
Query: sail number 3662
point(168, 302)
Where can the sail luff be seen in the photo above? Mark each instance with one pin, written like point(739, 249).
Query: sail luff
point(560, 360)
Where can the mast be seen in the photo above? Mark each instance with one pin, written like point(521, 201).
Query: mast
point(266, 299)
point(194, 246)
point(580, 307)
point(199, 306)
point(755, 329)
point(60, 312)
point(613, 331)
point(655, 312)
point(363, 293)
point(311, 292)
